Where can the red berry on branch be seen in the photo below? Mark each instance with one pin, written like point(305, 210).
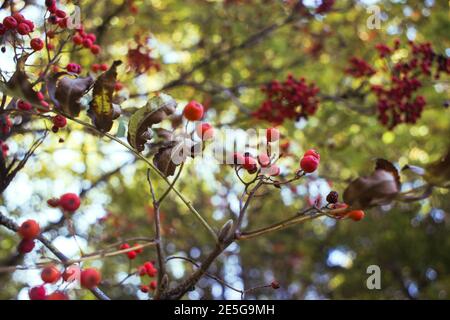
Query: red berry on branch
point(59, 121)
point(87, 43)
point(309, 164)
point(18, 16)
point(53, 202)
point(205, 131)
point(30, 24)
point(73, 67)
point(132, 255)
point(77, 39)
point(124, 246)
point(60, 13)
point(95, 67)
point(23, 29)
point(312, 152)
point(29, 230)
point(37, 293)
point(118, 86)
point(10, 23)
point(5, 124)
point(50, 274)
point(193, 111)
point(356, 215)
point(90, 278)
point(104, 67)
point(153, 285)
point(272, 134)
point(144, 288)
point(26, 246)
point(142, 271)
point(70, 202)
point(250, 164)
point(91, 36)
point(37, 44)
point(274, 170)
point(58, 295)
point(275, 285)
point(95, 49)
point(140, 250)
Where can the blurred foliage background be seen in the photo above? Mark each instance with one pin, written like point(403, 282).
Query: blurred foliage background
point(323, 259)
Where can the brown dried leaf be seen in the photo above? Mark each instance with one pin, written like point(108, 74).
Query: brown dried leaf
point(67, 92)
point(379, 188)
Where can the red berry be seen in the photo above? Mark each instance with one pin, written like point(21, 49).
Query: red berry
point(50, 274)
point(118, 86)
point(26, 246)
point(104, 67)
point(90, 278)
point(95, 49)
point(124, 246)
point(205, 131)
point(69, 202)
point(60, 13)
point(77, 39)
point(5, 124)
point(87, 43)
point(312, 152)
point(23, 29)
point(57, 295)
point(18, 16)
point(153, 285)
point(309, 164)
point(62, 23)
point(131, 255)
point(275, 285)
point(264, 160)
point(40, 95)
point(59, 121)
point(10, 23)
point(144, 289)
point(272, 134)
point(142, 271)
point(250, 164)
point(37, 44)
point(95, 68)
point(23, 105)
point(29, 230)
point(37, 293)
point(74, 68)
point(356, 215)
point(152, 272)
point(30, 24)
point(140, 250)
point(91, 36)
point(193, 111)
point(149, 266)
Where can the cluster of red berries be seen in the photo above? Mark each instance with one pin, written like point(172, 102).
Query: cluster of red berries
point(131, 254)
point(69, 202)
point(359, 68)
point(39, 293)
point(29, 231)
point(140, 59)
point(99, 67)
point(16, 23)
point(291, 99)
point(5, 124)
point(263, 162)
point(148, 269)
point(87, 40)
point(396, 100)
point(73, 68)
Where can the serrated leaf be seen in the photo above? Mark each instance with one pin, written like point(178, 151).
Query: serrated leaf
point(156, 110)
point(101, 108)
